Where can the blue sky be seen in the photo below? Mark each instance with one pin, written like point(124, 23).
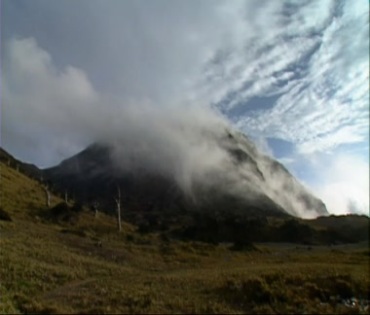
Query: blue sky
point(293, 75)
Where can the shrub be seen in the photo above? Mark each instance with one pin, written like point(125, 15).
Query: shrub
point(62, 212)
point(4, 216)
point(77, 207)
point(293, 293)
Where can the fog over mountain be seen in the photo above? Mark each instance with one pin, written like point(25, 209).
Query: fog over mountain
point(186, 141)
point(163, 80)
point(198, 150)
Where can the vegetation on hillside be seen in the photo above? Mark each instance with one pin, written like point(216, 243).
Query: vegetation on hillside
point(65, 259)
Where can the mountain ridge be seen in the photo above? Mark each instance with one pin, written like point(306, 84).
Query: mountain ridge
point(249, 180)
point(244, 180)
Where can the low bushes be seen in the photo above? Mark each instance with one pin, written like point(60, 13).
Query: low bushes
point(280, 293)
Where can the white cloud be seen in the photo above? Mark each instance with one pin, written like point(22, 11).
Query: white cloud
point(133, 49)
point(60, 110)
point(344, 186)
point(43, 104)
point(312, 53)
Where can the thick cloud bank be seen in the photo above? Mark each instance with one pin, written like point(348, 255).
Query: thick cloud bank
point(191, 144)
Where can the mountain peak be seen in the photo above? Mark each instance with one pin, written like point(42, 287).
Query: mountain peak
point(224, 166)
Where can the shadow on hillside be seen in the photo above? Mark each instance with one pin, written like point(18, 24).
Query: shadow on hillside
point(63, 213)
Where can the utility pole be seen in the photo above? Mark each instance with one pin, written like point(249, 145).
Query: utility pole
point(118, 208)
point(66, 196)
point(95, 208)
point(47, 195)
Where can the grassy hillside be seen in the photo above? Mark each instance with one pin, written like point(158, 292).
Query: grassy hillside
point(83, 265)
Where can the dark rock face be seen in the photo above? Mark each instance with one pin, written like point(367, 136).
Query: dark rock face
point(251, 183)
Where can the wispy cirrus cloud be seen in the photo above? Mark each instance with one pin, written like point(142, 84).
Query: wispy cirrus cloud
point(307, 60)
point(303, 79)
point(316, 64)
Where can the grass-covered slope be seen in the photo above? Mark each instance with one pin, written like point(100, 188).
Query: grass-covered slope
point(49, 264)
point(19, 193)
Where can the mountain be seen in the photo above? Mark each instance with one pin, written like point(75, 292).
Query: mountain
point(64, 260)
point(28, 169)
point(156, 204)
point(246, 181)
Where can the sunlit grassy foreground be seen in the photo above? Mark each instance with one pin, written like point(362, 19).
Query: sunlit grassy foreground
point(87, 267)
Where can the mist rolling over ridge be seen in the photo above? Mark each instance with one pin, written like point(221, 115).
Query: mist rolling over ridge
point(198, 150)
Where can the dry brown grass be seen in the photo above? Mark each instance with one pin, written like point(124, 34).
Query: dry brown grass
point(87, 267)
